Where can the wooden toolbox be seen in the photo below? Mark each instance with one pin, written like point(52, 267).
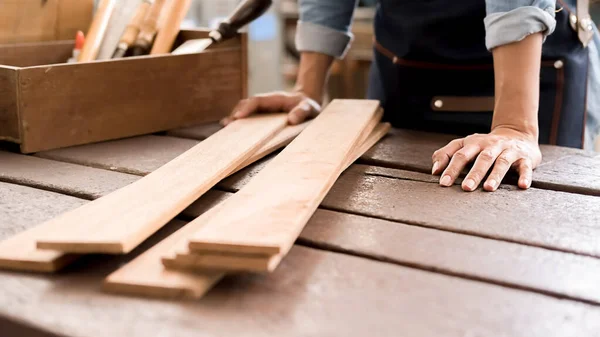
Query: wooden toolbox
point(47, 104)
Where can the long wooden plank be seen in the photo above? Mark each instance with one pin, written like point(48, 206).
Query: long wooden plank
point(267, 215)
point(118, 222)
point(88, 183)
point(146, 274)
point(181, 257)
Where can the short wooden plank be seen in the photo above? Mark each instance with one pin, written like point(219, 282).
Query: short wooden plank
point(267, 215)
point(76, 180)
point(124, 218)
point(562, 169)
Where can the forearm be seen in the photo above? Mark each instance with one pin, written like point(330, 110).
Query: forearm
point(516, 73)
point(313, 74)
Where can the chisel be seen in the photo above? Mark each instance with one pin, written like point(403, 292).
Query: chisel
point(133, 29)
point(96, 32)
point(246, 12)
point(149, 28)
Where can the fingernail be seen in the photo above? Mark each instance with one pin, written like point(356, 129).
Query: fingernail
point(435, 167)
point(470, 184)
point(492, 183)
point(526, 182)
point(237, 114)
point(446, 181)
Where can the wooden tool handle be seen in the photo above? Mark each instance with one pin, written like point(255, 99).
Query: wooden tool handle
point(170, 28)
point(95, 34)
point(133, 28)
point(150, 25)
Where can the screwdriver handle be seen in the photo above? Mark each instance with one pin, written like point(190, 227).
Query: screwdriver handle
point(246, 12)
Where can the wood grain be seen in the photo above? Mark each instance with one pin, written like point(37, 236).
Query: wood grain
point(268, 214)
point(181, 257)
point(36, 53)
point(9, 118)
point(110, 92)
point(124, 218)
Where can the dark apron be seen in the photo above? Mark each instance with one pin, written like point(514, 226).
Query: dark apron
point(432, 71)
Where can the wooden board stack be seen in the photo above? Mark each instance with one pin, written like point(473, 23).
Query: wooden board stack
point(251, 231)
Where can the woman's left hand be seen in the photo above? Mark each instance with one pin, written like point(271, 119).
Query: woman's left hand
point(501, 149)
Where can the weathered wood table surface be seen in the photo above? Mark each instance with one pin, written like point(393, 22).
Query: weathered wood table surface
point(389, 252)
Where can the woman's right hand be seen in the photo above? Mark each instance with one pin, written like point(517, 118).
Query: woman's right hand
point(299, 106)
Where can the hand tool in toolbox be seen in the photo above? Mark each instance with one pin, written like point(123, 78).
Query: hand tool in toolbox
point(246, 12)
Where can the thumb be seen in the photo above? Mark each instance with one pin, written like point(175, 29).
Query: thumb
point(301, 112)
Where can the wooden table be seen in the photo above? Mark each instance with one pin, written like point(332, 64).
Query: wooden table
point(389, 252)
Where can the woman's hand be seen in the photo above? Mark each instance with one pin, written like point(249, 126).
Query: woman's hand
point(298, 106)
point(499, 150)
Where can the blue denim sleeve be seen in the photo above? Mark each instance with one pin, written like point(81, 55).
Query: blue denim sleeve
point(324, 26)
point(510, 21)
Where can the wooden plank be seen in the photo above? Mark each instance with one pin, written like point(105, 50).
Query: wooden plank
point(267, 215)
point(412, 150)
point(146, 275)
point(124, 218)
point(181, 257)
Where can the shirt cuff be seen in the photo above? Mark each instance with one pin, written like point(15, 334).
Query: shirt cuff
point(313, 37)
point(508, 27)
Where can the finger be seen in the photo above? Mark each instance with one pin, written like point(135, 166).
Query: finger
point(301, 112)
point(459, 160)
point(226, 120)
point(501, 167)
point(482, 165)
point(266, 103)
point(525, 170)
point(442, 157)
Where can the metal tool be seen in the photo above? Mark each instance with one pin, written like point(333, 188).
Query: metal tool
point(246, 12)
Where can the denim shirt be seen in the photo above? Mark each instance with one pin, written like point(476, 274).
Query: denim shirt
point(324, 27)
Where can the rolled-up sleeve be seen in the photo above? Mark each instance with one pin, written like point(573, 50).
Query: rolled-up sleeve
point(509, 21)
point(324, 26)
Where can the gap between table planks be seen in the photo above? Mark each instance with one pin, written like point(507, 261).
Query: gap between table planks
point(118, 222)
point(181, 257)
point(146, 275)
point(19, 252)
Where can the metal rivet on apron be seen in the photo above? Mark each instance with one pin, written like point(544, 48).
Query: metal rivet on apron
point(558, 64)
point(438, 103)
point(573, 18)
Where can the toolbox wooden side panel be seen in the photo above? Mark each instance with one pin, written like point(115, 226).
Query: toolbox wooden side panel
point(64, 106)
point(36, 53)
point(9, 118)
